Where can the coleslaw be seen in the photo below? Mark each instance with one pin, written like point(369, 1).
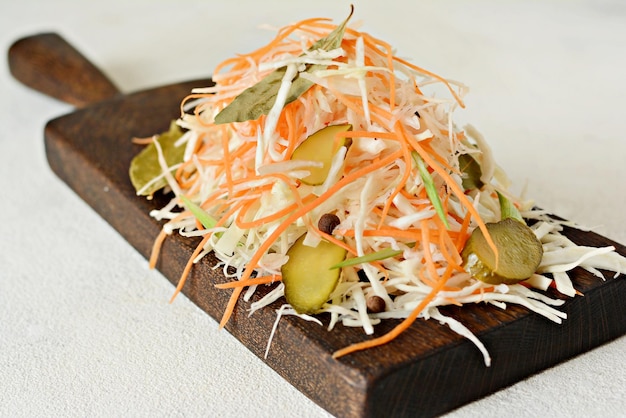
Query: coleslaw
point(406, 184)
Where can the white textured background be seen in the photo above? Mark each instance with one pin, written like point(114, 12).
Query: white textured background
point(86, 328)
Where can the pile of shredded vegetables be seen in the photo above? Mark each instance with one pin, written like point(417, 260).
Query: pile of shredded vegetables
point(242, 177)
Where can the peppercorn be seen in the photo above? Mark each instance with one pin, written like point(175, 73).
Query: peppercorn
point(328, 222)
point(375, 304)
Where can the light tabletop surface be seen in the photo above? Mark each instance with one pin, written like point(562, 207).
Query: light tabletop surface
point(86, 328)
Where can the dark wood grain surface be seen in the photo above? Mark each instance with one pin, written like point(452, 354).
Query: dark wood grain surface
point(48, 63)
point(427, 371)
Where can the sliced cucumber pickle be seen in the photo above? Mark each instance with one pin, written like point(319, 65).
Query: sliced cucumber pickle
point(519, 253)
point(307, 275)
point(321, 147)
point(471, 172)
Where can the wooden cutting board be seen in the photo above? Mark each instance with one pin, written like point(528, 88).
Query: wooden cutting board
point(427, 371)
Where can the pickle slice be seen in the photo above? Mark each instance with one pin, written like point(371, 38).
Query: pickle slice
point(519, 253)
point(321, 147)
point(307, 275)
point(471, 172)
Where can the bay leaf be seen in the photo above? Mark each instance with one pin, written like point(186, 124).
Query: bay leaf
point(145, 166)
point(259, 99)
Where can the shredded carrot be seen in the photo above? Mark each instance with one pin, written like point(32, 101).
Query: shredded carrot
point(156, 248)
point(158, 242)
point(250, 282)
point(187, 269)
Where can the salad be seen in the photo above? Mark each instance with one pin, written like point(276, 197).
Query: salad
point(330, 168)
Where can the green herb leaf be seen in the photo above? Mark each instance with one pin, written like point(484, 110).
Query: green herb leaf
point(431, 191)
point(259, 99)
point(368, 258)
point(471, 172)
point(508, 209)
point(145, 166)
point(205, 219)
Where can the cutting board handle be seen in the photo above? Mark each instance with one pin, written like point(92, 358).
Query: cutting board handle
point(49, 64)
